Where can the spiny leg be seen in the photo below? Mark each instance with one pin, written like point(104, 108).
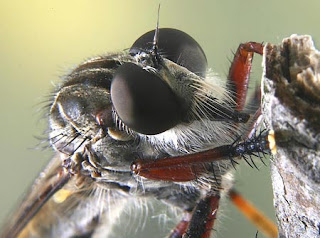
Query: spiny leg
point(189, 167)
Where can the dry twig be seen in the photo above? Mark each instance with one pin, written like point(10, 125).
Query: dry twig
point(291, 106)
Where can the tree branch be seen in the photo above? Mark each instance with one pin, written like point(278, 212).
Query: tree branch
point(291, 107)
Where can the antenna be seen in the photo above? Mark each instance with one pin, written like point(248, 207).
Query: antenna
point(155, 53)
point(156, 32)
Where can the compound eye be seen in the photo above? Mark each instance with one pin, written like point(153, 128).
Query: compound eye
point(143, 101)
point(176, 46)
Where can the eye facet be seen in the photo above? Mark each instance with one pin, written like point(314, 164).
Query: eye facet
point(176, 46)
point(143, 101)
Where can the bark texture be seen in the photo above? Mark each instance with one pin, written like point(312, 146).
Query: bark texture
point(291, 107)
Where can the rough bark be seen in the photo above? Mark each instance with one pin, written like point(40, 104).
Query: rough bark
point(291, 107)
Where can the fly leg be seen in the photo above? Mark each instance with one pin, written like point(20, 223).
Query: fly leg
point(198, 223)
point(204, 215)
point(238, 81)
point(190, 167)
point(239, 72)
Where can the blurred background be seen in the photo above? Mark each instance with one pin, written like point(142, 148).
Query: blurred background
point(40, 40)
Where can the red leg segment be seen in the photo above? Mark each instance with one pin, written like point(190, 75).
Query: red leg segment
point(180, 168)
point(189, 167)
point(240, 71)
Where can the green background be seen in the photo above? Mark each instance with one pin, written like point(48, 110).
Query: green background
point(40, 40)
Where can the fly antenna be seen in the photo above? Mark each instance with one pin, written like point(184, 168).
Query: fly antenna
point(156, 32)
point(154, 52)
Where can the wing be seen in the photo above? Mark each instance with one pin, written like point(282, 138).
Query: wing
point(60, 205)
point(49, 182)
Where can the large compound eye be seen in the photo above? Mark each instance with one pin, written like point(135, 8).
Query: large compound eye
point(143, 101)
point(176, 46)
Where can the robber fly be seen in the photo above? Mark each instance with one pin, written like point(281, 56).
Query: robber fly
point(149, 122)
